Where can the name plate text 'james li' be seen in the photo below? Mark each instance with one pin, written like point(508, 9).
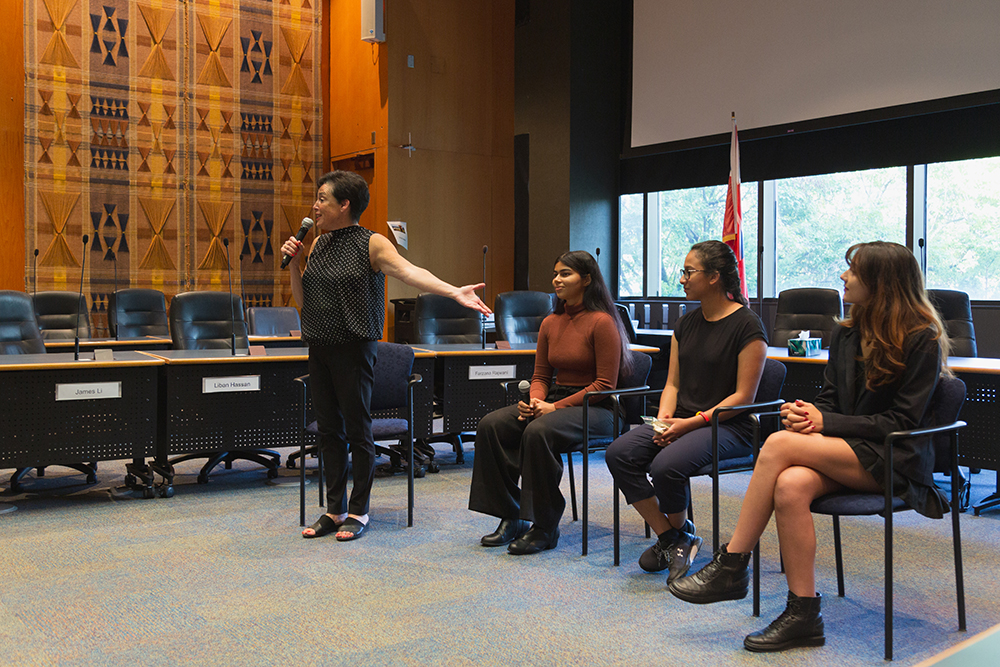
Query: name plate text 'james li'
point(230, 384)
point(493, 372)
point(85, 391)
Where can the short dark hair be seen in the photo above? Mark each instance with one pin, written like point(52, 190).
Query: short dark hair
point(350, 186)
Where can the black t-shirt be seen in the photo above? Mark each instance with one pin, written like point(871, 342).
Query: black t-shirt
point(709, 358)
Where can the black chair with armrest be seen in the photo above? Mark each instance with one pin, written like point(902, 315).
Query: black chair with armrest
point(766, 402)
point(56, 313)
point(941, 423)
point(626, 318)
point(956, 314)
point(137, 313)
point(273, 321)
point(392, 412)
point(19, 334)
point(627, 399)
point(519, 315)
point(812, 308)
point(204, 321)
point(440, 320)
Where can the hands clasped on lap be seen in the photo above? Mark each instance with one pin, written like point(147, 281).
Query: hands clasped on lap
point(536, 408)
point(801, 417)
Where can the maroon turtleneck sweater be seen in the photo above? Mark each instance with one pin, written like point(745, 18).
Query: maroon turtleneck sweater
point(583, 345)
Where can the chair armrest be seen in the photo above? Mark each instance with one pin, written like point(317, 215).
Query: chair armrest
point(416, 378)
point(748, 407)
point(930, 430)
point(304, 379)
point(616, 392)
point(891, 438)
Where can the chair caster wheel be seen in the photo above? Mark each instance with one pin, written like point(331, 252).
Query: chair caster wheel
point(148, 493)
point(131, 480)
point(272, 473)
point(203, 479)
point(433, 467)
point(166, 491)
point(419, 471)
point(290, 464)
point(91, 479)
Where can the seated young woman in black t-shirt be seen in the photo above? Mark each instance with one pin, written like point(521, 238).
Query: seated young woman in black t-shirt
point(716, 358)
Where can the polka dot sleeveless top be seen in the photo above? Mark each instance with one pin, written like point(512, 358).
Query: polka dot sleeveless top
point(343, 299)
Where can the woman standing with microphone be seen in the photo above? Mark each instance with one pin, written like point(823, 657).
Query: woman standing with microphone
point(341, 292)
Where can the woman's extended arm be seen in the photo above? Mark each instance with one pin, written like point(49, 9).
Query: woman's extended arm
point(385, 258)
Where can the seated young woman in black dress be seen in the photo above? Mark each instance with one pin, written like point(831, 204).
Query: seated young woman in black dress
point(885, 361)
point(584, 341)
point(716, 358)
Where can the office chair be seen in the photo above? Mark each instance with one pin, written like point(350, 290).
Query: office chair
point(137, 313)
point(519, 315)
point(392, 400)
point(56, 313)
point(203, 321)
point(941, 424)
point(273, 321)
point(627, 401)
point(812, 308)
point(440, 320)
point(956, 314)
point(19, 333)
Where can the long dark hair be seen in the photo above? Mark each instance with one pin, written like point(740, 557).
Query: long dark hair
point(596, 296)
point(897, 306)
point(719, 258)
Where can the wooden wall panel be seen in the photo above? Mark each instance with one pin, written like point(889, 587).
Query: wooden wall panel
point(12, 252)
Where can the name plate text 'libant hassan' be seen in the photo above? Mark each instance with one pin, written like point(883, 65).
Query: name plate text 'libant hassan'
point(230, 384)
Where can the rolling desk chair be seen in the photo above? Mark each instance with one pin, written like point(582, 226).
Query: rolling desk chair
point(519, 315)
point(137, 313)
point(273, 321)
point(812, 308)
point(56, 313)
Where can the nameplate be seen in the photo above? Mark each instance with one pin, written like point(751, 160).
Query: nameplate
point(88, 391)
point(493, 372)
point(230, 384)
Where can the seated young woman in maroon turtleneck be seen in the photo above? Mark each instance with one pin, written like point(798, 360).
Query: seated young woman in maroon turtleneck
point(583, 346)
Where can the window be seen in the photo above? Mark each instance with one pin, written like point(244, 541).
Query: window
point(630, 245)
point(963, 206)
point(689, 216)
point(819, 217)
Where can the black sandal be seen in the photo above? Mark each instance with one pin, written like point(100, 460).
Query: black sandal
point(323, 526)
point(353, 528)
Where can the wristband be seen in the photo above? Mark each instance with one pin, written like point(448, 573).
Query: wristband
point(705, 417)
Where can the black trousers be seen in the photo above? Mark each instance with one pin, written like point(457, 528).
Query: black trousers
point(340, 382)
point(507, 449)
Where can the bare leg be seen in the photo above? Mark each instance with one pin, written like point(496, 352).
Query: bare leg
point(649, 509)
point(832, 457)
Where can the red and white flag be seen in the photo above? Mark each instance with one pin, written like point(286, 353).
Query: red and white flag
point(732, 226)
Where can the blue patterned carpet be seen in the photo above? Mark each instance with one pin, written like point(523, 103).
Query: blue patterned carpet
point(218, 575)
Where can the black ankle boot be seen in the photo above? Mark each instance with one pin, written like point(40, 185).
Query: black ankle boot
point(508, 531)
point(727, 577)
point(800, 624)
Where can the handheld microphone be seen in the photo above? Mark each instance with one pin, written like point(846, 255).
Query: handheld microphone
point(524, 387)
point(114, 258)
point(483, 332)
point(232, 309)
point(83, 266)
point(307, 224)
point(34, 274)
point(243, 290)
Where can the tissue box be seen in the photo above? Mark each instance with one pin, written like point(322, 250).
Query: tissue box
point(804, 347)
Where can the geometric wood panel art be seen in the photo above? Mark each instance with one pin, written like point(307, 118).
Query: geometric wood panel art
point(161, 129)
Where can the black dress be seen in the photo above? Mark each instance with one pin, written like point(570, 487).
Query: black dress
point(863, 417)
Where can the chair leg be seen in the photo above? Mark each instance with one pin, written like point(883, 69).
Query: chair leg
point(584, 500)
point(888, 584)
point(838, 555)
point(617, 521)
point(756, 579)
point(572, 485)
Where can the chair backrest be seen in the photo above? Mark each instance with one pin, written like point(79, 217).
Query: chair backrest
point(203, 321)
point(56, 314)
point(812, 308)
point(443, 320)
point(945, 406)
point(274, 321)
point(134, 313)
point(956, 313)
point(519, 315)
point(19, 332)
point(626, 319)
point(772, 380)
point(633, 406)
point(392, 373)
